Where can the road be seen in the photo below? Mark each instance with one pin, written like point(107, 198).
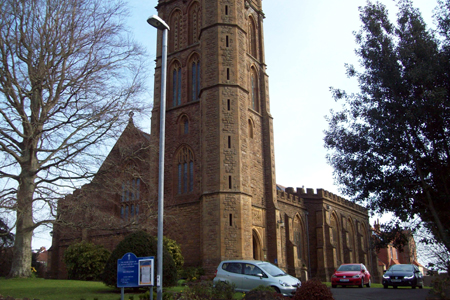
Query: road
point(379, 293)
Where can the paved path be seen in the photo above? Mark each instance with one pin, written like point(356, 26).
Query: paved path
point(351, 293)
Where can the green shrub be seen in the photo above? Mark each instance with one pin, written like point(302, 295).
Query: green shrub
point(175, 250)
point(192, 273)
point(6, 257)
point(165, 295)
point(313, 289)
point(264, 292)
point(204, 290)
point(85, 261)
point(223, 290)
point(141, 244)
point(264, 288)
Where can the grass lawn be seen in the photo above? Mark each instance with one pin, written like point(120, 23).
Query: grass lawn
point(48, 289)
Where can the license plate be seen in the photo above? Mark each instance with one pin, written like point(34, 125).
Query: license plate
point(396, 280)
point(344, 280)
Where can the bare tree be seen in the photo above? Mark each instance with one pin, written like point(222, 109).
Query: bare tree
point(69, 74)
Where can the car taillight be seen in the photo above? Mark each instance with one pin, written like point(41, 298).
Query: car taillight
point(215, 273)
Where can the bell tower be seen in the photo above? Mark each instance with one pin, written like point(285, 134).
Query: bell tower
point(220, 189)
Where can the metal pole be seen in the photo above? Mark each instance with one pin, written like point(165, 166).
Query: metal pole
point(162, 134)
point(158, 23)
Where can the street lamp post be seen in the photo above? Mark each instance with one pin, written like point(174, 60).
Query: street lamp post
point(158, 23)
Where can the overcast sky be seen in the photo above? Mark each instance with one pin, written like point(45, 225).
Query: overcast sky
point(307, 44)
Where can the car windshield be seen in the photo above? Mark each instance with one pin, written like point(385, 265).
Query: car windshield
point(349, 268)
point(272, 270)
point(401, 268)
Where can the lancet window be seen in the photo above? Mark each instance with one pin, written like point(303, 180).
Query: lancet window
point(195, 78)
point(176, 84)
point(185, 172)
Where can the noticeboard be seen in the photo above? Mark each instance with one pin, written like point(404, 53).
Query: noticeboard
point(134, 271)
point(146, 272)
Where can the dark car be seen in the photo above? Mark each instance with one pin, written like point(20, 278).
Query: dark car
point(351, 274)
point(403, 275)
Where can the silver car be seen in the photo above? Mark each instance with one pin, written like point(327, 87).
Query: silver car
point(248, 274)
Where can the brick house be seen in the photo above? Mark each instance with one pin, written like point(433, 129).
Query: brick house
point(390, 255)
point(220, 191)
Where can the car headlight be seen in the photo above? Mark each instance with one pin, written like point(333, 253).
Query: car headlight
point(409, 277)
point(334, 276)
point(386, 276)
point(282, 283)
point(356, 276)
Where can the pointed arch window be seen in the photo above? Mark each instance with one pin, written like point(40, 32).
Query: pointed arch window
point(299, 238)
point(185, 172)
point(351, 242)
point(130, 198)
point(195, 78)
point(175, 31)
point(252, 37)
point(176, 84)
point(183, 125)
point(254, 90)
point(335, 239)
point(194, 22)
point(250, 128)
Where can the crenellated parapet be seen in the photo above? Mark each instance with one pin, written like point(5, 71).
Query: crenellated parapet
point(322, 194)
point(289, 197)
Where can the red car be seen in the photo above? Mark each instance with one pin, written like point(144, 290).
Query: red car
point(351, 274)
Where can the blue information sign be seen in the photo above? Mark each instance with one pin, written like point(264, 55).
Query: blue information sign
point(134, 271)
point(127, 271)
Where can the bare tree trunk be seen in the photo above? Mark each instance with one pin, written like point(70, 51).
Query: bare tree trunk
point(21, 264)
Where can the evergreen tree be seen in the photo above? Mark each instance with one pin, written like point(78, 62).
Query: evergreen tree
point(390, 144)
point(140, 244)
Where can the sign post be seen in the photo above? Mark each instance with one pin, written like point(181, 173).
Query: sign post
point(135, 271)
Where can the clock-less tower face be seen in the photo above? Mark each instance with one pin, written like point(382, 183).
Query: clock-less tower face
point(219, 159)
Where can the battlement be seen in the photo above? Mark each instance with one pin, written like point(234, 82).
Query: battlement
point(289, 197)
point(322, 194)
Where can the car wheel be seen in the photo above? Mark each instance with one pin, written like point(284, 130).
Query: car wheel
point(277, 290)
point(362, 283)
point(369, 284)
point(385, 286)
point(395, 286)
point(333, 286)
point(413, 287)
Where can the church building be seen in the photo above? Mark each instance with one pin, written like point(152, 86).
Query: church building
point(221, 197)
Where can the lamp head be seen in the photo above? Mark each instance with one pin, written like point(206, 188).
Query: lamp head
point(157, 22)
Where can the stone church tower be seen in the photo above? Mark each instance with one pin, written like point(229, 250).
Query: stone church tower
point(219, 157)
point(220, 194)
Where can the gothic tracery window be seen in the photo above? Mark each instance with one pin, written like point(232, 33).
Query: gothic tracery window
point(130, 198)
